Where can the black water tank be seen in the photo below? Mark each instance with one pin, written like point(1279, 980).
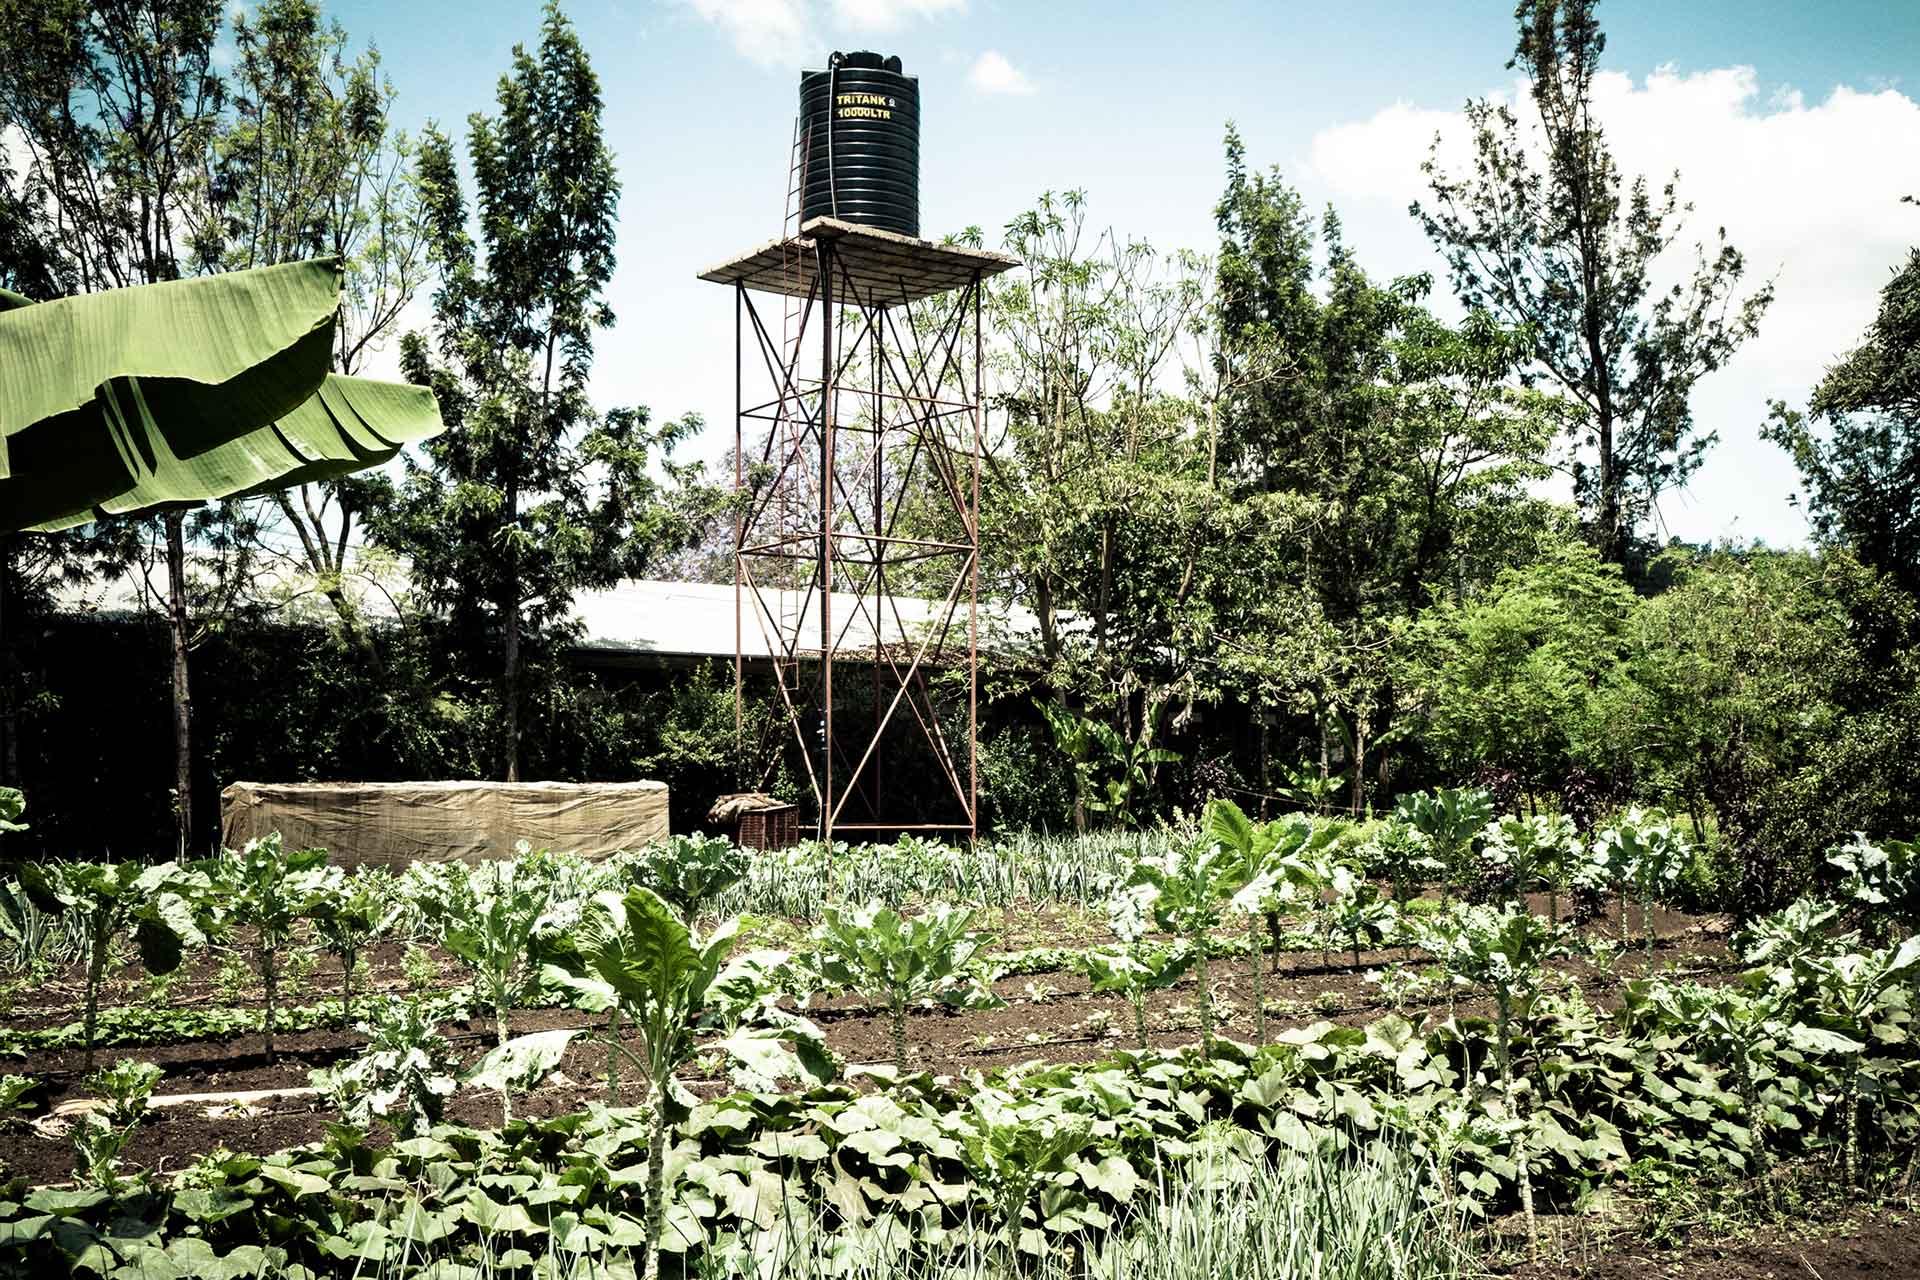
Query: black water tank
point(861, 122)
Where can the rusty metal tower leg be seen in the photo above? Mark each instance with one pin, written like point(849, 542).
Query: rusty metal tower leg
point(828, 323)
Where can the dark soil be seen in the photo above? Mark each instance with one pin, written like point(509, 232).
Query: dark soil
point(1881, 1244)
point(1052, 1017)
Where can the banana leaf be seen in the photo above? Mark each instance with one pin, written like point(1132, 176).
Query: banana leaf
point(137, 399)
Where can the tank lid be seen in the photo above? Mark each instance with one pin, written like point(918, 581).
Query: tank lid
point(866, 58)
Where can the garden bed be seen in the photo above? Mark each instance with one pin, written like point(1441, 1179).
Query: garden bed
point(1049, 1016)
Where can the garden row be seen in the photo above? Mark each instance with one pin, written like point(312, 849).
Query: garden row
point(1547, 1086)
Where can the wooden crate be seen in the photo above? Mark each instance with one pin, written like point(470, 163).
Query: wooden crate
point(770, 828)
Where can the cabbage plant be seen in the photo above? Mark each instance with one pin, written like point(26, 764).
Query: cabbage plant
point(1644, 850)
point(404, 1076)
point(633, 951)
point(490, 916)
point(1506, 951)
point(268, 889)
point(1189, 884)
point(1450, 817)
point(157, 903)
point(1532, 854)
point(689, 872)
point(1268, 868)
point(902, 960)
point(1140, 967)
point(349, 914)
point(1881, 879)
point(1857, 989)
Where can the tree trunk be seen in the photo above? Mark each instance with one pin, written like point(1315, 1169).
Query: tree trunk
point(511, 695)
point(9, 669)
point(182, 705)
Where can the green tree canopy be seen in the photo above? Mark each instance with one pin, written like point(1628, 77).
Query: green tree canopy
point(534, 494)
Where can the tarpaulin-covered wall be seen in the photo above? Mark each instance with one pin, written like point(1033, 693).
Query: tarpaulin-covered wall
point(394, 823)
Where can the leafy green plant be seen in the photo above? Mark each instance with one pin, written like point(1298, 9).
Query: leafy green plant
point(350, 915)
point(1526, 855)
point(1010, 1147)
point(420, 968)
point(106, 898)
point(1644, 850)
point(1110, 771)
point(1793, 935)
point(36, 944)
point(1857, 986)
point(270, 890)
point(1140, 967)
point(1881, 880)
point(1403, 854)
point(126, 1086)
point(489, 917)
point(17, 1095)
point(690, 872)
point(1506, 951)
point(404, 1076)
point(1268, 868)
point(633, 951)
point(901, 960)
point(1187, 895)
point(13, 803)
point(1449, 817)
point(100, 1138)
point(1357, 914)
point(1741, 1025)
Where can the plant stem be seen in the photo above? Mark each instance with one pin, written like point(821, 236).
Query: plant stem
point(613, 1055)
point(899, 1011)
point(346, 987)
point(1523, 1175)
point(269, 978)
point(1139, 997)
point(656, 1169)
point(1259, 982)
point(96, 966)
point(1849, 1156)
point(1206, 1000)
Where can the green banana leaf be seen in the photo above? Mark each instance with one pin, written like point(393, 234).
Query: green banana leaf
point(136, 400)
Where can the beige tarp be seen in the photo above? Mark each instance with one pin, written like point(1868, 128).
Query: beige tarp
point(394, 823)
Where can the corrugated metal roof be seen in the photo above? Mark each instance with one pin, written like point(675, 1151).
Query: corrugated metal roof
point(644, 619)
point(696, 620)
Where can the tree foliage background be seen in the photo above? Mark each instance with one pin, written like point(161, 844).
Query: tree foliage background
point(1289, 531)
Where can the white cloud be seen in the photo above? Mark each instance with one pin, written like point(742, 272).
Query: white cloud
point(767, 31)
point(1809, 193)
point(891, 15)
point(992, 73)
point(775, 32)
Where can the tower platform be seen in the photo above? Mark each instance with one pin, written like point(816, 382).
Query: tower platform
point(885, 268)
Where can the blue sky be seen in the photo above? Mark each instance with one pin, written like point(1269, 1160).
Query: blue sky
point(1794, 124)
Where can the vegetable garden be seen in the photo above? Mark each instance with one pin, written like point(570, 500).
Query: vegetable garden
point(1033, 1053)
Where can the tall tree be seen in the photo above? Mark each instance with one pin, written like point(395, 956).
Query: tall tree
point(1398, 442)
point(1862, 471)
point(531, 495)
point(1547, 235)
point(309, 165)
point(116, 103)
